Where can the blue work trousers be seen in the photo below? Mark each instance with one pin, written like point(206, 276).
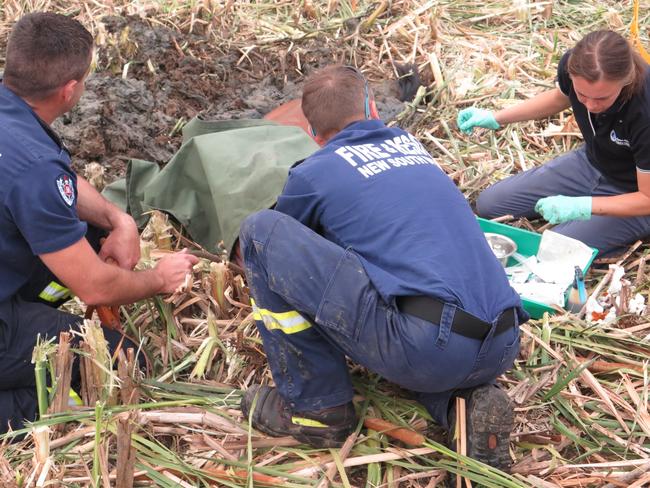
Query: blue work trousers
point(314, 305)
point(572, 175)
point(22, 318)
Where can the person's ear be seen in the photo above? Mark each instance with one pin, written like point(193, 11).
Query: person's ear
point(374, 113)
point(68, 90)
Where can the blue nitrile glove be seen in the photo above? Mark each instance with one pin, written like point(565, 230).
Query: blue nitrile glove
point(559, 209)
point(468, 118)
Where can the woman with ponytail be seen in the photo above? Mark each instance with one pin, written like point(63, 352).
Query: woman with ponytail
point(598, 193)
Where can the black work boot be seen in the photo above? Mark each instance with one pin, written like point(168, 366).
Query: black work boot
point(489, 422)
point(329, 427)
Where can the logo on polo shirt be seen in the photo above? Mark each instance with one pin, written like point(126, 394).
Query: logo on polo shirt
point(66, 188)
point(616, 140)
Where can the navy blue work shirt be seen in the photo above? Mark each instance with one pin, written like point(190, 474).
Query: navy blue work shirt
point(38, 193)
point(377, 191)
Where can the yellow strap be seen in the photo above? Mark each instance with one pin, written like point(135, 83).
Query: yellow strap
point(288, 322)
point(54, 292)
point(634, 34)
point(307, 422)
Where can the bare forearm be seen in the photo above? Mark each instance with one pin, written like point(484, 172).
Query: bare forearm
point(625, 205)
point(122, 244)
point(93, 208)
point(543, 105)
point(117, 286)
point(99, 283)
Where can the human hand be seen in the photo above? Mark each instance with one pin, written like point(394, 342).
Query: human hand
point(558, 209)
point(122, 244)
point(174, 268)
point(469, 118)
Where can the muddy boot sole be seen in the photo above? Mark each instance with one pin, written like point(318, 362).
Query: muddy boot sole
point(490, 420)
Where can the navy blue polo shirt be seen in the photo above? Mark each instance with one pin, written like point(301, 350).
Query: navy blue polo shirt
point(38, 193)
point(377, 191)
point(617, 141)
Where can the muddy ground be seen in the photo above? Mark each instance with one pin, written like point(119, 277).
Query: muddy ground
point(170, 77)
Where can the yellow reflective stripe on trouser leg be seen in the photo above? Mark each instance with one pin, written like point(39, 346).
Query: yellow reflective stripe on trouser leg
point(307, 422)
point(54, 292)
point(74, 400)
point(287, 322)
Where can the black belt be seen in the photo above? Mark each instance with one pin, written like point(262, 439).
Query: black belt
point(466, 324)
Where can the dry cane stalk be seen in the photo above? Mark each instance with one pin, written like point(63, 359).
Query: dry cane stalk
point(129, 392)
point(98, 365)
point(372, 18)
point(207, 419)
point(220, 276)
point(66, 439)
point(41, 436)
point(42, 460)
point(344, 452)
point(126, 422)
point(158, 228)
point(461, 437)
point(176, 479)
point(601, 392)
point(390, 455)
point(45, 474)
point(62, 372)
point(263, 443)
point(626, 479)
point(623, 298)
point(88, 386)
point(640, 274)
point(125, 450)
point(397, 474)
point(94, 173)
point(260, 479)
point(7, 474)
point(103, 464)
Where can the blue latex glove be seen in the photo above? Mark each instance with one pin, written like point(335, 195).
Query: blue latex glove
point(469, 118)
point(559, 209)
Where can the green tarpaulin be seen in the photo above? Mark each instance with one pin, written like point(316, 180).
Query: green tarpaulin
point(224, 171)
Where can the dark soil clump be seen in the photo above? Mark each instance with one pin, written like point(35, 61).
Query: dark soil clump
point(150, 80)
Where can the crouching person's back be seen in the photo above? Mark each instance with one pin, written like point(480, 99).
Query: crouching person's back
point(373, 253)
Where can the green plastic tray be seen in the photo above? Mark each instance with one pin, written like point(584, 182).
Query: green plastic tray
point(527, 245)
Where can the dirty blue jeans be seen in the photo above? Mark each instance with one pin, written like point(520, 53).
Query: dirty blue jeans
point(570, 174)
point(314, 305)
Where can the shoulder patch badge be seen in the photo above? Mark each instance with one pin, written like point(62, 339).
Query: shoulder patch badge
point(66, 188)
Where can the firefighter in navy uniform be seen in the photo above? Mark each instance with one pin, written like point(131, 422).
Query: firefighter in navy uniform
point(50, 218)
point(598, 193)
point(373, 253)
